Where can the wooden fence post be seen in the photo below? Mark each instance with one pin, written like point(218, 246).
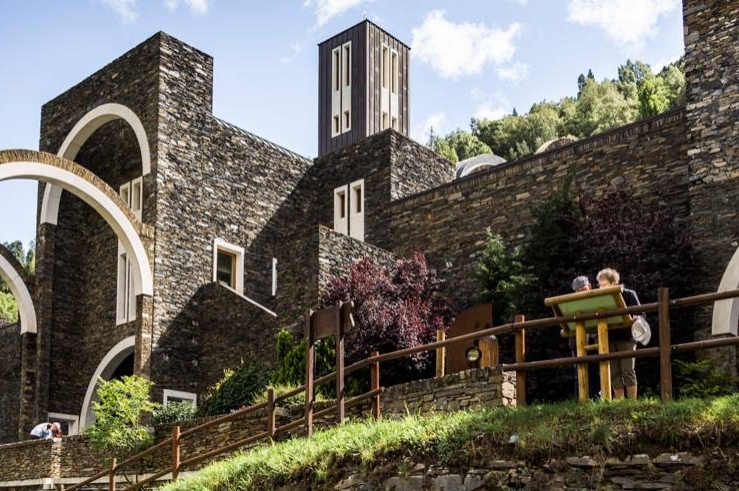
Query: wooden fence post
point(271, 412)
point(175, 451)
point(310, 351)
point(665, 354)
point(440, 353)
point(111, 476)
point(520, 358)
point(489, 351)
point(375, 384)
point(340, 396)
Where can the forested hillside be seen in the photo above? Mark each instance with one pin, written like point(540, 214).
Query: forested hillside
point(637, 93)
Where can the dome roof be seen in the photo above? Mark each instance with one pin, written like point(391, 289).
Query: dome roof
point(477, 163)
point(556, 143)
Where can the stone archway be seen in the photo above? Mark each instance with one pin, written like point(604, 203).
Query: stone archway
point(11, 272)
point(726, 312)
point(105, 369)
point(76, 138)
point(45, 167)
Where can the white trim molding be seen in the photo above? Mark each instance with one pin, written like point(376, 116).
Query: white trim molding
point(85, 127)
point(19, 290)
point(179, 396)
point(238, 253)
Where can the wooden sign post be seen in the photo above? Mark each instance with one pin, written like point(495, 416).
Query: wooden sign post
point(330, 321)
point(587, 302)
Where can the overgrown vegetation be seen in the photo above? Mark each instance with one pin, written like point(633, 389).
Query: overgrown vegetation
point(636, 93)
point(122, 407)
point(238, 387)
point(464, 440)
point(27, 259)
point(574, 235)
point(174, 412)
point(394, 308)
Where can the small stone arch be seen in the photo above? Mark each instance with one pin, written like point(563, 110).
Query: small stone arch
point(105, 369)
point(45, 167)
point(726, 312)
point(14, 276)
point(85, 127)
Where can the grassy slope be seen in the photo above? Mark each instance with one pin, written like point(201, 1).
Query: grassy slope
point(470, 439)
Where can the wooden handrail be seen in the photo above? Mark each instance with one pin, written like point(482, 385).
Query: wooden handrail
point(662, 307)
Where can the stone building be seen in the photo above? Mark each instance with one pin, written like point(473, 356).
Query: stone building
point(172, 244)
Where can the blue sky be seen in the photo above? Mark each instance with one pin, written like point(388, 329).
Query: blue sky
point(468, 58)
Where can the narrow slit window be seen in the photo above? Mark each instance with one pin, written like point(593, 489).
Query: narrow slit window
point(394, 123)
point(347, 120)
point(342, 204)
point(384, 62)
point(337, 127)
point(358, 199)
point(336, 68)
point(394, 73)
point(347, 64)
point(384, 120)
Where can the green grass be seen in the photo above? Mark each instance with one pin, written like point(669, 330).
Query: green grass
point(471, 439)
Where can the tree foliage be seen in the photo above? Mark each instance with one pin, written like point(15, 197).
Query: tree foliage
point(123, 405)
point(572, 235)
point(27, 259)
point(637, 92)
point(394, 308)
point(238, 387)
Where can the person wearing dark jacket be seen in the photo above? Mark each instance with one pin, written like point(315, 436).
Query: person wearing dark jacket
point(623, 375)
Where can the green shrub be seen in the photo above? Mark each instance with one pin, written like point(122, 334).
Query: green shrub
point(237, 388)
point(174, 412)
point(701, 379)
point(122, 406)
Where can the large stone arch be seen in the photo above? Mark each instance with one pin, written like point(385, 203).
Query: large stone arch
point(105, 369)
point(45, 167)
point(726, 312)
point(84, 128)
point(12, 273)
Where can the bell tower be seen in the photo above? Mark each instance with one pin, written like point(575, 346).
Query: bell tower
point(362, 86)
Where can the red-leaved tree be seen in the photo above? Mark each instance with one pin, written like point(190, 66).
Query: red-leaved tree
point(394, 308)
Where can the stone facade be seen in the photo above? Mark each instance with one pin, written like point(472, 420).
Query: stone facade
point(209, 180)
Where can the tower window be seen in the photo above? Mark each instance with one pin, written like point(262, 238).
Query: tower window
point(336, 68)
point(384, 65)
point(347, 62)
point(347, 120)
point(394, 73)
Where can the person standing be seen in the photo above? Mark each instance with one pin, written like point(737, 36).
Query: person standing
point(623, 375)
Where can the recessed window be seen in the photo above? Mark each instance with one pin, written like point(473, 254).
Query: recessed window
point(384, 120)
point(226, 268)
point(179, 396)
point(347, 63)
point(356, 210)
point(336, 69)
point(358, 199)
point(394, 123)
point(337, 128)
point(342, 203)
point(341, 210)
point(394, 72)
point(131, 194)
point(384, 66)
point(347, 120)
point(228, 265)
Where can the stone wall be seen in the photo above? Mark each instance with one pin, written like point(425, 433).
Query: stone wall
point(712, 111)
point(10, 381)
point(470, 389)
point(448, 223)
point(74, 457)
point(664, 471)
point(337, 252)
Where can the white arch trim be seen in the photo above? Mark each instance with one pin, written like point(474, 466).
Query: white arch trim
point(726, 312)
point(84, 128)
point(100, 202)
point(20, 292)
point(105, 369)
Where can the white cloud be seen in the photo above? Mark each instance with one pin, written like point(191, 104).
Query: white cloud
point(515, 72)
point(197, 7)
point(296, 49)
point(490, 105)
point(420, 132)
point(325, 10)
point(627, 22)
point(455, 50)
point(125, 8)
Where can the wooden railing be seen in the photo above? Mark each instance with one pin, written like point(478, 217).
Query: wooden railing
point(518, 328)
